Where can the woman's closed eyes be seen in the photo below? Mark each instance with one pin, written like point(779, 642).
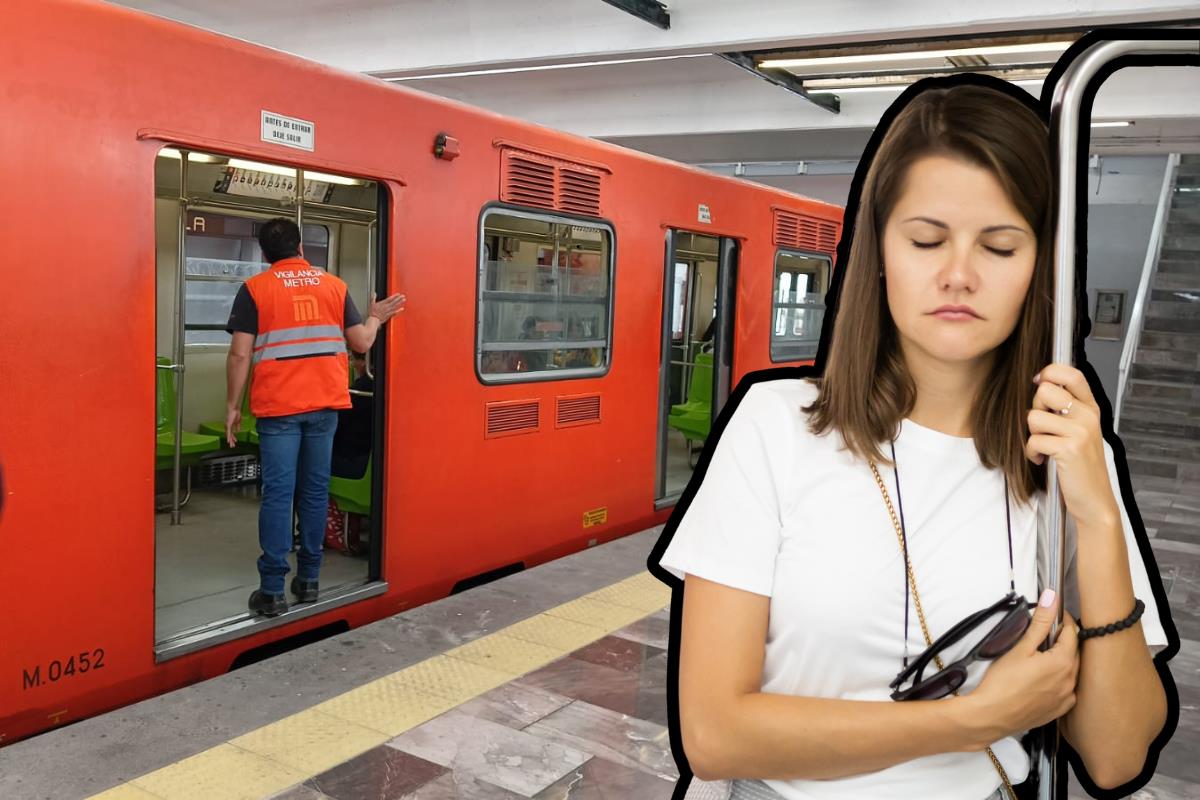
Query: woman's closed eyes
point(996, 250)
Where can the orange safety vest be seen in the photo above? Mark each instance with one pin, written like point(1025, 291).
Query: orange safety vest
point(300, 361)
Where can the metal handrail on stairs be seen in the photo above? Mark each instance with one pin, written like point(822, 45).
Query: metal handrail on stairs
point(1153, 252)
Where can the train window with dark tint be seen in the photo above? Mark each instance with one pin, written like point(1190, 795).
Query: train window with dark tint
point(798, 305)
point(545, 297)
point(222, 251)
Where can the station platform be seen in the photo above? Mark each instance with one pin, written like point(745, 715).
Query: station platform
point(548, 684)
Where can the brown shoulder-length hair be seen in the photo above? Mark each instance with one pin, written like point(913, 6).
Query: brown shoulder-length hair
point(866, 389)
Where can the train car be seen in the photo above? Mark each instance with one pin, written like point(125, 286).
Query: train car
point(576, 315)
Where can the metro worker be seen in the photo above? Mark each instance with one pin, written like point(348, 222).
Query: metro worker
point(293, 322)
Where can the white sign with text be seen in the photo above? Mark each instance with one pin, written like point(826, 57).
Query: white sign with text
point(288, 131)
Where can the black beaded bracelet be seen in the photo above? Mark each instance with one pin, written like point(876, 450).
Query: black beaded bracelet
point(1090, 633)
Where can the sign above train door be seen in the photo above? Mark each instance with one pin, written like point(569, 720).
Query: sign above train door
point(288, 131)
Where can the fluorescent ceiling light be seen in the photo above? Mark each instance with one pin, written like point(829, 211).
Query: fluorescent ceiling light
point(276, 169)
point(901, 88)
point(895, 87)
point(835, 84)
point(1114, 124)
point(171, 152)
point(874, 58)
point(541, 67)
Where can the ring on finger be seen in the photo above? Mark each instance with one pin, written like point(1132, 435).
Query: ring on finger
point(1067, 410)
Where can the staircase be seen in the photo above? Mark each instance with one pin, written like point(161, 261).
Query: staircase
point(1160, 417)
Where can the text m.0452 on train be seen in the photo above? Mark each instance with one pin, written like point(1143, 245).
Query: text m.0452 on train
point(56, 670)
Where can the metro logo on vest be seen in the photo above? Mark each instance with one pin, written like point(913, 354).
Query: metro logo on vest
point(305, 306)
point(300, 360)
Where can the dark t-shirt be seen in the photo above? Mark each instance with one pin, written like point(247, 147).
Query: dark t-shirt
point(243, 317)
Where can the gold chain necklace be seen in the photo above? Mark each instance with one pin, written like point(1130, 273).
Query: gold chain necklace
point(921, 616)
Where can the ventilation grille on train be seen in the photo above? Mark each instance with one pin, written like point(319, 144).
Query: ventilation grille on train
point(804, 232)
point(507, 419)
point(578, 410)
point(531, 179)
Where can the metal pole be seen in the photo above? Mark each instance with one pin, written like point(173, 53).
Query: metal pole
point(722, 341)
point(300, 202)
point(1065, 113)
point(177, 350)
point(371, 266)
point(664, 367)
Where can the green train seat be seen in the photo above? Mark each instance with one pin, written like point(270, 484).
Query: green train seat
point(247, 434)
point(192, 445)
point(694, 418)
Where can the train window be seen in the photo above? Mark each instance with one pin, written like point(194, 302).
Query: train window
point(545, 297)
point(222, 252)
point(798, 305)
point(679, 301)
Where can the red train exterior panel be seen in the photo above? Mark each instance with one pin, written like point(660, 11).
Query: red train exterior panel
point(91, 93)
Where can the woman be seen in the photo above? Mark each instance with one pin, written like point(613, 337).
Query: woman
point(921, 447)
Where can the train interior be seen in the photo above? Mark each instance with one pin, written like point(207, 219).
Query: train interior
point(545, 297)
point(801, 282)
point(206, 523)
point(692, 317)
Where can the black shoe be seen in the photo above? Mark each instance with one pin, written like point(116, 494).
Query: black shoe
point(305, 591)
point(269, 605)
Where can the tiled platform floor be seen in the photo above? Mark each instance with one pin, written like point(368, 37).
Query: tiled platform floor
point(588, 724)
point(607, 701)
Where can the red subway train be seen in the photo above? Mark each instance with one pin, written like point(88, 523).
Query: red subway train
point(577, 313)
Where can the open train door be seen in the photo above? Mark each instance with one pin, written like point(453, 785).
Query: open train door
point(209, 208)
point(699, 280)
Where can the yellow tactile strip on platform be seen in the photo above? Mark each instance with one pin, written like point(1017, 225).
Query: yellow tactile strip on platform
point(224, 771)
point(126, 791)
point(643, 591)
point(506, 653)
point(294, 749)
point(386, 705)
point(310, 741)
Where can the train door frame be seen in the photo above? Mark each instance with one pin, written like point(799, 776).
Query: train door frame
point(728, 253)
point(221, 631)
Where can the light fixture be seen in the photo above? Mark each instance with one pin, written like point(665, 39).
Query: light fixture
point(276, 169)
point(541, 67)
point(897, 87)
point(765, 169)
point(1119, 123)
point(874, 58)
point(889, 81)
point(893, 87)
point(203, 158)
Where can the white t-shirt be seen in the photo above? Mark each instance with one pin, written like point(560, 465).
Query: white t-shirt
point(786, 514)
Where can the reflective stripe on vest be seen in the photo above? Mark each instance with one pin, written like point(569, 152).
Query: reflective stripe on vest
point(296, 334)
point(321, 348)
point(306, 340)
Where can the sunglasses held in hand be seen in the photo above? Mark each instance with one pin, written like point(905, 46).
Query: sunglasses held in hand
point(999, 640)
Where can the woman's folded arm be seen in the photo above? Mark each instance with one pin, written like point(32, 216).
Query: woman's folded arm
point(733, 730)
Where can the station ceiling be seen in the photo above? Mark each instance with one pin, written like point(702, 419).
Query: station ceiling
point(782, 92)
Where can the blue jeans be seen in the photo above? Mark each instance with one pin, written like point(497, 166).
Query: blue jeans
point(295, 453)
